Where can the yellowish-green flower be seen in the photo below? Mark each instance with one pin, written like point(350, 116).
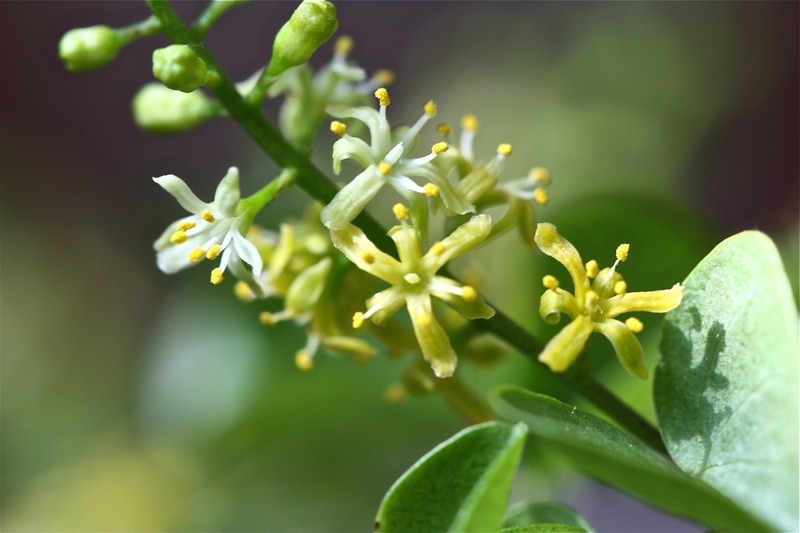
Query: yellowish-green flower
point(599, 297)
point(414, 281)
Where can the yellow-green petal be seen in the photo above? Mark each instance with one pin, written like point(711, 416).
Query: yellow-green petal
point(551, 243)
point(352, 242)
point(465, 237)
point(352, 345)
point(555, 302)
point(626, 345)
point(385, 303)
point(649, 302)
point(451, 293)
point(433, 340)
point(351, 200)
point(565, 347)
point(305, 290)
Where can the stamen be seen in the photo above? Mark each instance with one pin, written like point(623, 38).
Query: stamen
point(444, 129)
point(367, 257)
point(400, 211)
point(634, 324)
point(178, 237)
point(213, 252)
point(468, 293)
point(383, 97)
point(438, 248)
point(439, 147)
point(412, 278)
point(622, 252)
point(339, 128)
point(542, 175)
point(358, 319)
point(620, 287)
point(541, 196)
point(303, 360)
point(344, 45)
point(504, 149)
point(384, 168)
point(383, 77)
point(243, 291)
point(207, 216)
point(430, 108)
point(592, 269)
point(216, 276)
point(196, 255)
point(186, 226)
point(431, 190)
point(550, 282)
point(469, 122)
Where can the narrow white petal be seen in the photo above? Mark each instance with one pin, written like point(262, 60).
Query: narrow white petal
point(182, 193)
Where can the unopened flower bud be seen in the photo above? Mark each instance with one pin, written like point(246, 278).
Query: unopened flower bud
point(312, 23)
point(158, 109)
point(179, 68)
point(84, 49)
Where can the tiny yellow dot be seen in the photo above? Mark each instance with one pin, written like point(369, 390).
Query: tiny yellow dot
point(339, 128)
point(178, 237)
point(438, 248)
point(186, 226)
point(542, 175)
point(267, 318)
point(431, 190)
point(400, 211)
point(303, 360)
point(243, 291)
point(592, 269)
point(343, 45)
point(383, 97)
point(383, 76)
point(444, 129)
point(358, 319)
point(468, 293)
point(425, 319)
point(550, 282)
point(207, 216)
point(384, 168)
point(620, 287)
point(504, 149)
point(216, 276)
point(395, 393)
point(430, 108)
point(439, 147)
point(622, 251)
point(469, 122)
point(367, 257)
point(196, 255)
point(634, 324)
point(541, 196)
point(213, 252)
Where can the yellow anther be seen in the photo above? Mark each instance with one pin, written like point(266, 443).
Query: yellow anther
point(444, 129)
point(438, 248)
point(358, 319)
point(339, 128)
point(468, 293)
point(634, 324)
point(592, 269)
point(384, 168)
point(367, 257)
point(343, 45)
point(425, 319)
point(431, 189)
point(213, 252)
point(430, 108)
point(303, 360)
point(504, 149)
point(207, 216)
point(469, 122)
point(622, 252)
point(383, 76)
point(383, 97)
point(395, 393)
point(542, 175)
point(400, 211)
point(620, 287)
point(196, 255)
point(186, 226)
point(267, 318)
point(550, 282)
point(439, 147)
point(216, 276)
point(412, 278)
point(178, 237)
point(541, 196)
point(243, 291)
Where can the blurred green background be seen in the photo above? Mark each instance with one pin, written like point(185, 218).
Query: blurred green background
point(134, 401)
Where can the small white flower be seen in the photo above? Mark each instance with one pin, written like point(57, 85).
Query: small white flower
point(212, 230)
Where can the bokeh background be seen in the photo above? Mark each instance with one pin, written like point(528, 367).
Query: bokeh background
point(134, 401)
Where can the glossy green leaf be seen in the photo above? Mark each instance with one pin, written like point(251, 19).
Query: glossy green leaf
point(461, 485)
point(549, 513)
point(605, 452)
point(726, 387)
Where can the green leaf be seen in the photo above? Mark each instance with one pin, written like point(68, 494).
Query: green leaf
point(545, 513)
point(544, 528)
point(726, 387)
point(461, 485)
point(605, 452)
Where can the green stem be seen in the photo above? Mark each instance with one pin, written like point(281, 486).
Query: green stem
point(319, 187)
point(144, 28)
point(214, 10)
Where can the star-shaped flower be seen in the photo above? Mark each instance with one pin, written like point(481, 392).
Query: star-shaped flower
point(414, 281)
point(594, 306)
point(212, 230)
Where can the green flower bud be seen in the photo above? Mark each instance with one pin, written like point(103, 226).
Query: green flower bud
point(312, 23)
point(179, 68)
point(84, 49)
point(161, 110)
